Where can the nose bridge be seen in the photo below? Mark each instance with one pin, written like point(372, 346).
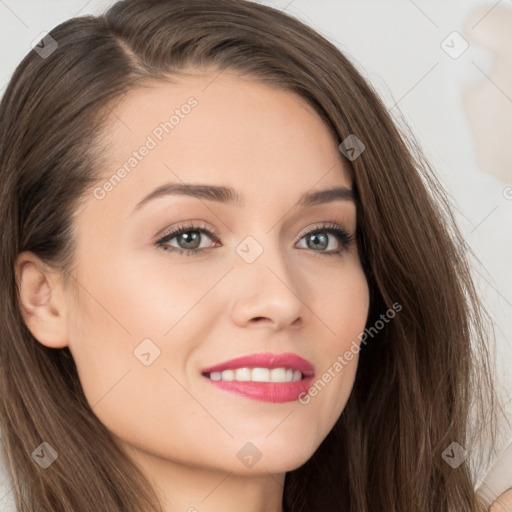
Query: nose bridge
point(266, 257)
point(267, 285)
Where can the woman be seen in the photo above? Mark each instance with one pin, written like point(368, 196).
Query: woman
point(317, 243)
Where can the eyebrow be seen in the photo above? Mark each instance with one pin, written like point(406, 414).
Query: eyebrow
point(228, 195)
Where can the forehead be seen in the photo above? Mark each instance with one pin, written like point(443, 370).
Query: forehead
point(221, 129)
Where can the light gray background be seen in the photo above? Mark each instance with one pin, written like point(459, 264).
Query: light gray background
point(396, 44)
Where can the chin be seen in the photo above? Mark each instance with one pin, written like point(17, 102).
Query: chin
point(273, 457)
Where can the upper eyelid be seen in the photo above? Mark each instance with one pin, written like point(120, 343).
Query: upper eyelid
point(185, 228)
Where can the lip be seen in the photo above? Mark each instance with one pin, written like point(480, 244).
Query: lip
point(276, 392)
point(266, 360)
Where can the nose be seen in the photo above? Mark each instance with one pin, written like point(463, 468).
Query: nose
point(267, 292)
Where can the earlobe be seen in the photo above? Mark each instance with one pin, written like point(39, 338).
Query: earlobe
point(41, 301)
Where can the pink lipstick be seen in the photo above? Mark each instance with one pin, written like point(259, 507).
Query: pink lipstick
point(263, 376)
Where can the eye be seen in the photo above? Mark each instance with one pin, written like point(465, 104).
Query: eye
point(318, 239)
point(189, 237)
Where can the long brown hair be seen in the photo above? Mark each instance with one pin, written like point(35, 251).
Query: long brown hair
point(419, 379)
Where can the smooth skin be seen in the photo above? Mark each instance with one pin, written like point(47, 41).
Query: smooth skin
point(200, 310)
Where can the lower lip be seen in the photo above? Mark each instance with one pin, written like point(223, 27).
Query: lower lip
point(276, 392)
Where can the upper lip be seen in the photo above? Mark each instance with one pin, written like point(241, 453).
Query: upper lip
point(266, 360)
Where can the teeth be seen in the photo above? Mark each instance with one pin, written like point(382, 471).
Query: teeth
point(258, 375)
point(228, 375)
point(278, 375)
point(243, 374)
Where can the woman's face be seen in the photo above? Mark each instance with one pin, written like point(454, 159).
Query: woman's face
point(149, 319)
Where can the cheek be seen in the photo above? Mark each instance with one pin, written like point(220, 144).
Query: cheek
point(131, 381)
point(132, 336)
point(343, 308)
point(138, 298)
point(116, 312)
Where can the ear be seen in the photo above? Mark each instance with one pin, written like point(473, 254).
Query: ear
point(42, 300)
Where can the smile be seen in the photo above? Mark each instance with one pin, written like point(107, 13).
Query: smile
point(265, 376)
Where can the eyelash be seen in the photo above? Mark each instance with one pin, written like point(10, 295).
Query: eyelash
point(344, 237)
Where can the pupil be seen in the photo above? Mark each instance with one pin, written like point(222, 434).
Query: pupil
point(190, 235)
point(323, 244)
